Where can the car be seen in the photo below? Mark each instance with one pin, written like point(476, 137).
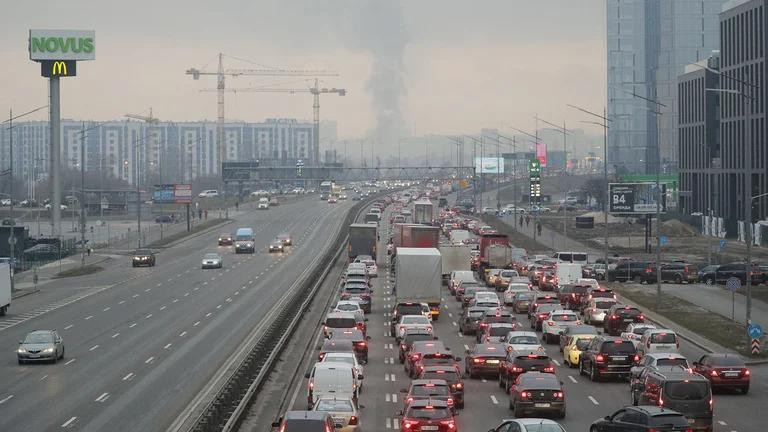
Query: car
point(658, 341)
point(276, 245)
point(226, 240)
point(576, 330)
point(629, 271)
point(348, 358)
point(350, 306)
point(359, 292)
point(634, 331)
point(521, 301)
point(407, 341)
point(488, 299)
point(459, 276)
point(542, 313)
point(332, 200)
point(494, 315)
point(40, 345)
point(469, 294)
point(708, 273)
point(758, 273)
point(619, 316)
point(570, 295)
point(408, 322)
point(655, 361)
point(429, 389)
point(556, 322)
point(335, 320)
point(61, 206)
point(163, 219)
point(335, 346)
point(143, 257)
point(522, 341)
point(285, 238)
point(537, 392)
point(465, 285)
point(677, 272)
point(451, 374)
point(273, 201)
point(594, 293)
point(594, 312)
point(517, 363)
point(495, 332)
point(573, 349)
point(505, 277)
point(309, 421)
point(428, 414)
point(528, 425)
point(598, 270)
point(484, 359)
point(642, 419)
point(407, 308)
point(419, 349)
point(41, 251)
point(371, 269)
point(210, 193)
point(358, 338)
point(540, 300)
point(608, 356)
point(679, 389)
point(263, 204)
point(512, 289)
point(343, 410)
point(212, 260)
point(470, 319)
point(440, 358)
point(724, 371)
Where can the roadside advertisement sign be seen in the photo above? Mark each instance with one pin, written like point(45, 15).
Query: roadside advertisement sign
point(62, 45)
point(172, 194)
point(489, 165)
point(636, 198)
point(541, 153)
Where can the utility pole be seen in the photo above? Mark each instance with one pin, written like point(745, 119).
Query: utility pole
point(82, 197)
point(564, 181)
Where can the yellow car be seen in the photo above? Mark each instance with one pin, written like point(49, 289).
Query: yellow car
point(572, 351)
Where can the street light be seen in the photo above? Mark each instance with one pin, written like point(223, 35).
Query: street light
point(565, 132)
point(474, 169)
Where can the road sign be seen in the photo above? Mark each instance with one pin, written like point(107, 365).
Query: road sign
point(722, 244)
point(755, 346)
point(664, 240)
point(12, 239)
point(755, 331)
point(733, 284)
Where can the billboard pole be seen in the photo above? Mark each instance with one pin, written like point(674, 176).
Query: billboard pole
point(55, 158)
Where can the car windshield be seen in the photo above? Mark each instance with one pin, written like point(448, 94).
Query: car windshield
point(619, 347)
point(339, 359)
point(449, 376)
point(414, 309)
point(410, 339)
point(428, 413)
point(677, 361)
point(348, 307)
point(340, 322)
point(542, 427)
point(508, 273)
point(243, 238)
point(663, 338)
point(564, 317)
point(430, 390)
point(38, 338)
point(476, 313)
point(604, 304)
point(524, 296)
point(668, 420)
point(414, 319)
point(524, 340)
point(639, 330)
point(211, 256)
point(686, 390)
point(334, 405)
point(579, 289)
point(143, 252)
point(529, 361)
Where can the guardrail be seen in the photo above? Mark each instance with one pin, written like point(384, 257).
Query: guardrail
point(230, 404)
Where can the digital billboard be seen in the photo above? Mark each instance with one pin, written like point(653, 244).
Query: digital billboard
point(489, 165)
point(636, 198)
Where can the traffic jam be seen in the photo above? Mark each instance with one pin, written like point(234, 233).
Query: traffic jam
point(451, 327)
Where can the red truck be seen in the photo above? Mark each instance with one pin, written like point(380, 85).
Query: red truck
point(487, 240)
point(416, 236)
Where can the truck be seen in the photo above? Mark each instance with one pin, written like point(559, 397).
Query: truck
point(5, 287)
point(418, 277)
point(487, 240)
point(423, 212)
point(362, 240)
point(567, 273)
point(416, 236)
point(455, 258)
point(458, 236)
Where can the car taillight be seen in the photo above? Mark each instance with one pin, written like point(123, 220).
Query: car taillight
point(550, 323)
point(613, 317)
point(573, 296)
point(353, 421)
point(745, 372)
point(409, 424)
point(311, 385)
point(713, 373)
point(322, 355)
point(409, 400)
point(525, 394)
point(458, 386)
point(559, 395)
point(451, 425)
point(361, 344)
point(402, 328)
point(450, 401)
point(542, 316)
point(478, 360)
point(637, 358)
point(549, 369)
point(483, 325)
point(517, 369)
point(403, 347)
point(415, 357)
point(599, 358)
point(641, 317)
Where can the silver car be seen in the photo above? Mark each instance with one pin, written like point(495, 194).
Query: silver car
point(595, 311)
point(41, 345)
point(212, 260)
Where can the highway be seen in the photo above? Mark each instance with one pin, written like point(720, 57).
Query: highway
point(486, 403)
point(141, 343)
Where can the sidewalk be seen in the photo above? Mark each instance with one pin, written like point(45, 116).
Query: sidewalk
point(24, 283)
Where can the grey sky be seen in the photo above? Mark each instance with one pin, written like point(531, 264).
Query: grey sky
point(465, 64)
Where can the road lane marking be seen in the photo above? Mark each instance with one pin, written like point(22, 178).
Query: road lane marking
point(102, 398)
point(197, 323)
point(6, 399)
point(148, 316)
point(88, 317)
point(121, 302)
point(170, 279)
point(394, 397)
point(135, 295)
point(494, 400)
point(722, 423)
point(149, 360)
point(163, 307)
point(148, 290)
point(387, 397)
point(556, 362)
point(93, 348)
point(68, 327)
point(115, 335)
point(594, 401)
point(175, 301)
point(466, 347)
point(454, 323)
point(573, 379)
point(132, 325)
point(218, 307)
point(389, 423)
point(69, 362)
point(68, 422)
point(392, 377)
point(182, 334)
point(167, 346)
point(186, 294)
point(43, 377)
point(160, 284)
point(106, 309)
point(450, 315)
point(128, 377)
point(386, 377)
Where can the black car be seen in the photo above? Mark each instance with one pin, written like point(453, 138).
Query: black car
point(143, 257)
point(484, 359)
point(306, 421)
point(619, 316)
point(608, 356)
point(738, 270)
point(677, 272)
point(629, 271)
point(163, 219)
point(677, 388)
point(642, 419)
point(536, 392)
point(517, 363)
point(708, 273)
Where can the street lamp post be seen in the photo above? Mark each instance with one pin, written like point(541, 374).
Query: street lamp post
point(565, 132)
point(474, 170)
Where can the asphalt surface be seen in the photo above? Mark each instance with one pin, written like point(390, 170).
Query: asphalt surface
point(141, 343)
point(486, 403)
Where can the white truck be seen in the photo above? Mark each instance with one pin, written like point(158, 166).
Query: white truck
point(455, 258)
point(423, 212)
point(567, 273)
point(458, 236)
point(418, 277)
point(5, 287)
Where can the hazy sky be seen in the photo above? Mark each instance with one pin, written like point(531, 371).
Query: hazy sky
point(455, 66)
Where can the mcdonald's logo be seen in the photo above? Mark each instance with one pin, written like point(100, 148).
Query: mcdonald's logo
point(58, 68)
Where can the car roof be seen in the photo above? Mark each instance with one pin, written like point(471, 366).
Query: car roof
point(40, 332)
point(522, 333)
point(340, 314)
point(306, 415)
point(418, 382)
point(422, 403)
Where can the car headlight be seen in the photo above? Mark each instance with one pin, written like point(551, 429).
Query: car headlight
point(21, 350)
point(48, 350)
point(249, 245)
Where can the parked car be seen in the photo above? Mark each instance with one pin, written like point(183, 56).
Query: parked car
point(629, 271)
point(707, 274)
point(672, 272)
point(737, 270)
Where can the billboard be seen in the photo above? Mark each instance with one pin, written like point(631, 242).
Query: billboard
point(62, 45)
point(489, 165)
point(534, 172)
point(636, 198)
point(58, 68)
point(541, 153)
point(172, 194)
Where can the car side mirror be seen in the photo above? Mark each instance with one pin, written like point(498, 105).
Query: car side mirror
point(607, 418)
point(457, 358)
point(306, 375)
point(367, 338)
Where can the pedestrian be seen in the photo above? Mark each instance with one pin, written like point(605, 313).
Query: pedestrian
point(200, 213)
point(527, 220)
point(521, 221)
point(206, 215)
point(538, 228)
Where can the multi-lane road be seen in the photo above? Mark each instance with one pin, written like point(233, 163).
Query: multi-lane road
point(142, 343)
point(486, 403)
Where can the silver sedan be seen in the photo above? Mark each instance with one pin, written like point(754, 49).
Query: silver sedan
point(212, 260)
point(41, 345)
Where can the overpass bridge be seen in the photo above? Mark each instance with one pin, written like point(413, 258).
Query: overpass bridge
point(248, 172)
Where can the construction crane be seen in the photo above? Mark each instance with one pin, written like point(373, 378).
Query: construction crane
point(315, 90)
point(221, 73)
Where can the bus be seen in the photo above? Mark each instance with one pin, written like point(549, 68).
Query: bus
point(326, 189)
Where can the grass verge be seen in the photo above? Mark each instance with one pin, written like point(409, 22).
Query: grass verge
point(79, 271)
point(180, 235)
point(703, 322)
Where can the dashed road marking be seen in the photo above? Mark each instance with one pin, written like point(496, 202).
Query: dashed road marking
point(102, 398)
point(128, 377)
point(494, 400)
point(454, 323)
point(197, 323)
point(93, 348)
point(6, 399)
point(115, 335)
point(121, 302)
point(168, 345)
point(163, 307)
point(572, 379)
point(68, 327)
point(557, 363)
point(106, 309)
point(208, 314)
point(70, 361)
point(132, 325)
point(68, 422)
point(466, 347)
point(148, 316)
point(88, 317)
point(594, 401)
point(149, 360)
point(148, 290)
point(42, 378)
point(182, 334)
point(722, 423)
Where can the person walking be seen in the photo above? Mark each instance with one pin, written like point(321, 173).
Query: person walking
point(521, 221)
point(527, 220)
point(538, 228)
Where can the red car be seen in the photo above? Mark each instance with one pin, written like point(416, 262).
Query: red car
point(428, 415)
point(724, 371)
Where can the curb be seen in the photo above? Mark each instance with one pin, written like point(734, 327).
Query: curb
point(193, 235)
point(24, 294)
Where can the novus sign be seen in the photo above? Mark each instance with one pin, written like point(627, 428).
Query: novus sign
point(62, 45)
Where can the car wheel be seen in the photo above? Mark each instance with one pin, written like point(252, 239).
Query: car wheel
point(632, 397)
point(709, 281)
point(581, 368)
point(678, 279)
point(637, 279)
point(460, 405)
point(511, 406)
point(745, 390)
point(561, 414)
point(565, 361)
point(592, 375)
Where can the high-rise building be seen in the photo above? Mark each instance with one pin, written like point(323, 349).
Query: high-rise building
point(649, 43)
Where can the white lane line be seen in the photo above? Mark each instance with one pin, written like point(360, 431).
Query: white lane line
point(389, 423)
point(68, 327)
point(454, 323)
point(6, 399)
point(392, 377)
point(450, 315)
point(128, 377)
point(148, 316)
point(557, 363)
point(68, 422)
point(484, 380)
point(106, 309)
point(167, 346)
point(102, 398)
point(121, 302)
point(494, 400)
point(722, 423)
point(182, 334)
point(132, 325)
point(115, 335)
point(93, 348)
point(395, 423)
point(394, 397)
point(387, 397)
point(594, 401)
point(160, 284)
point(135, 296)
point(69, 362)
point(149, 360)
point(178, 275)
point(466, 347)
point(218, 307)
point(43, 377)
point(186, 294)
point(386, 377)
point(208, 314)
point(196, 288)
point(197, 323)
point(148, 290)
point(175, 301)
point(170, 279)
point(88, 317)
point(573, 379)
point(163, 307)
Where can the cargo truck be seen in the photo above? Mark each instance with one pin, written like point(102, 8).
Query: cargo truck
point(487, 240)
point(418, 277)
point(362, 240)
point(458, 236)
point(423, 212)
point(416, 236)
point(5, 287)
point(455, 257)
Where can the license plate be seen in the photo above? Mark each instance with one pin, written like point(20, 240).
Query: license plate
point(731, 374)
point(429, 427)
point(628, 320)
point(33, 355)
point(541, 405)
point(492, 362)
point(619, 358)
point(691, 421)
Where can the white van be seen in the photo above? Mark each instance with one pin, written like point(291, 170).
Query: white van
point(567, 273)
point(263, 203)
point(571, 257)
point(331, 379)
point(658, 341)
point(210, 193)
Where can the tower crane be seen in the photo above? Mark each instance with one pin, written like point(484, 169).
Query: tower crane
point(315, 90)
point(221, 73)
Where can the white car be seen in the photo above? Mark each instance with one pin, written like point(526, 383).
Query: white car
point(347, 358)
point(557, 322)
point(371, 268)
point(412, 322)
point(592, 283)
point(210, 193)
point(260, 192)
point(634, 331)
point(596, 309)
point(522, 341)
point(658, 341)
point(263, 203)
point(344, 411)
point(212, 260)
point(350, 306)
point(61, 206)
point(512, 289)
